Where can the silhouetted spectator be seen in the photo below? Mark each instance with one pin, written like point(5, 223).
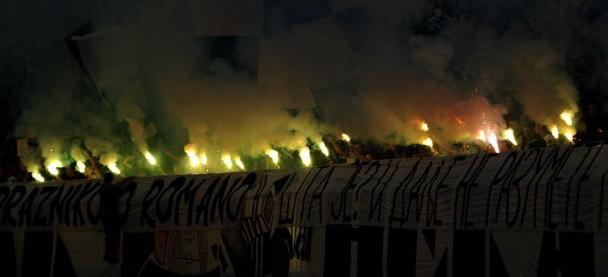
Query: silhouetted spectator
point(111, 218)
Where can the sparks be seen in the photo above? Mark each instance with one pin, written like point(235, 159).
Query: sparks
point(493, 141)
point(274, 155)
point(113, 167)
point(566, 116)
point(482, 136)
point(428, 142)
point(345, 137)
point(80, 166)
point(239, 163)
point(53, 167)
point(324, 149)
point(305, 156)
point(150, 158)
point(424, 126)
point(555, 132)
point(509, 135)
point(38, 177)
point(227, 160)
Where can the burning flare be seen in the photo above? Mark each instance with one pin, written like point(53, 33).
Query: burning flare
point(113, 167)
point(345, 137)
point(227, 160)
point(493, 141)
point(191, 153)
point(53, 167)
point(569, 134)
point(428, 142)
point(38, 177)
point(239, 163)
point(80, 166)
point(203, 159)
point(274, 155)
point(324, 149)
point(150, 158)
point(555, 132)
point(482, 136)
point(566, 116)
point(424, 126)
point(305, 156)
point(509, 135)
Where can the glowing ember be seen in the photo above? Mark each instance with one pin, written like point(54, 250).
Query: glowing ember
point(151, 160)
point(345, 137)
point(38, 177)
point(324, 149)
point(555, 131)
point(569, 134)
point(428, 142)
point(80, 166)
point(53, 167)
point(305, 156)
point(424, 126)
point(509, 135)
point(191, 153)
point(482, 135)
point(203, 159)
point(113, 167)
point(227, 160)
point(566, 116)
point(274, 155)
point(493, 141)
point(239, 163)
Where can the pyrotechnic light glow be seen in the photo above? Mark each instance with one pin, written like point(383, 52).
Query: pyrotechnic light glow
point(509, 135)
point(424, 126)
point(482, 135)
point(203, 159)
point(113, 167)
point(52, 167)
point(191, 153)
point(305, 156)
point(566, 116)
point(555, 132)
point(274, 155)
point(345, 137)
point(324, 149)
point(569, 134)
point(80, 166)
point(428, 142)
point(239, 163)
point(493, 141)
point(227, 160)
point(38, 177)
point(151, 160)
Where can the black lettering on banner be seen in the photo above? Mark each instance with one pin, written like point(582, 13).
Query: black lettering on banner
point(350, 185)
point(220, 201)
point(285, 216)
point(12, 203)
point(466, 185)
point(40, 220)
point(584, 177)
point(248, 182)
point(559, 165)
point(501, 177)
point(296, 195)
point(432, 219)
point(25, 215)
point(186, 196)
point(163, 215)
point(131, 189)
point(413, 193)
point(4, 195)
point(93, 218)
point(305, 196)
point(377, 198)
point(58, 203)
point(535, 165)
point(68, 205)
point(77, 215)
point(515, 182)
point(202, 210)
point(402, 185)
point(317, 194)
point(153, 192)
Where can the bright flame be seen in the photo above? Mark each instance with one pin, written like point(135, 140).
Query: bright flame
point(569, 134)
point(324, 149)
point(38, 177)
point(239, 163)
point(509, 135)
point(424, 126)
point(52, 167)
point(203, 159)
point(150, 158)
point(194, 160)
point(493, 140)
point(113, 167)
point(274, 155)
point(227, 160)
point(80, 166)
point(555, 131)
point(345, 137)
point(566, 116)
point(305, 156)
point(482, 136)
point(428, 142)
